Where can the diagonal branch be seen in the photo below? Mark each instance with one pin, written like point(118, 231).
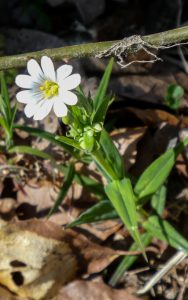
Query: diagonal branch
point(170, 37)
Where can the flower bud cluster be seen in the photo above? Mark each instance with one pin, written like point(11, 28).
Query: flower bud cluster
point(81, 128)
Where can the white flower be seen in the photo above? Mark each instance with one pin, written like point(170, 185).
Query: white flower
point(46, 88)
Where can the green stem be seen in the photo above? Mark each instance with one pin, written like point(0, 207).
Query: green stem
point(165, 38)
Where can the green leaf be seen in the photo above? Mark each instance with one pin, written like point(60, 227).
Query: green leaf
point(5, 105)
point(99, 98)
point(87, 142)
point(4, 125)
point(45, 135)
point(164, 231)
point(63, 192)
point(102, 110)
point(112, 155)
point(91, 184)
point(123, 199)
point(158, 200)
point(84, 101)
point(13, 112)
point(103, 165)
point(69, 142)
point(174, 94)
point(98, 212)
point(155, 175)
point(31, 151)
point(128, 260)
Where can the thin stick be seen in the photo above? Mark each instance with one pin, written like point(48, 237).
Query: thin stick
point(176, 259)
point(180, 51)
point(166, 38)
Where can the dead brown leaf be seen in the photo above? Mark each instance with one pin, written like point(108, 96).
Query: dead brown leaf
point(6, 295)
point(103, 230)
point(38, 257)
point(7, 208)
point(33, 262)
point(153, 117)
point(149, 87)
point(126, 140)
point(40, 194)
point(83, 290)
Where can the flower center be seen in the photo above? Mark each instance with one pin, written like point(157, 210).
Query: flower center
point(49, 89)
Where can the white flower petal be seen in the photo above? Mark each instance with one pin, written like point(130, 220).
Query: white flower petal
point(68, 98)
point(35, 70)
point(48, 68)
point(60, 108)
point(63, 72)
point(24, 81)
point(30, 109)
point(24, 96)
point(43, 110)
point(71, 82)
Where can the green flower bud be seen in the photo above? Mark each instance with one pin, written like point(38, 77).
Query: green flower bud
point(87, 142)
point(97, 127)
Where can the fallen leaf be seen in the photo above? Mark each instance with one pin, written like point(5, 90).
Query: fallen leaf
point(83, 290)
point(6, 295)
point(153, 117)
point(38, 257)
point(33, 262)
point(7, 208)
point(126, 141)
point(149, 87)
point(104, 229)
point(39, 194)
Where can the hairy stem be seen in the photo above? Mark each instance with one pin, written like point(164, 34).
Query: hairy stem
point(165, 38)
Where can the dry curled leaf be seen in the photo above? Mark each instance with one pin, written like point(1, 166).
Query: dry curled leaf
point(33, 262)
point(38, 257)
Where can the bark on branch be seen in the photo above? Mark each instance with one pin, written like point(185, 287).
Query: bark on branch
point(170, 37)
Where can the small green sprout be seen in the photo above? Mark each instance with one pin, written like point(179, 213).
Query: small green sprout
point(174, 95)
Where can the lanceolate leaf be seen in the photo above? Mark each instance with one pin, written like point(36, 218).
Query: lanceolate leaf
point(5, 100)
point(98, 212)
point(31, 151)
point(99, 98)
point(91, 184)
point(4, 125)
point(103, 165)
point(122, 197)
point(67, 141)
point(63, 191)
point(158, 200)
point(155, 175)
point(102, 110)
point(166, 232)
point(45, 135)
point(112, 155)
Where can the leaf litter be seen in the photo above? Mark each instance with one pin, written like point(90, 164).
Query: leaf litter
point(90, 247)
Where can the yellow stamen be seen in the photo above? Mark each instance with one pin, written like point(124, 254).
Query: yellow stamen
point(49, 89)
